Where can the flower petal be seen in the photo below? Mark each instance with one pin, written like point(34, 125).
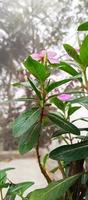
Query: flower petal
point(53, 60)
point(51, 54)
point(42, 53)
point(65, 97)
point(36, 56)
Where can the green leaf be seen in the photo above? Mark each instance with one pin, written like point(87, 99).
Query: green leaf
point(25, 121)
point(59, 132)
point(36, 68)
point(73, 109)
point(58, 103)
point(29, 139)
point(3, 175)
point(20, 188)
point(54, 85)
point(4, 185)
point(34, 88)
point(54, 169)
point(85, 119)
point(20, 84)
point(67, 68)
point(70, 153)
point(84, 129)
point(81, 100)
point(86, 197)
point(64, 124)
point(54, 190)
point(72, 52)
point(3, 178)
point(17, 84)
point(84, 52)
point(10, 197)
point(84, 178)
point(83, 27)
point(24, 99)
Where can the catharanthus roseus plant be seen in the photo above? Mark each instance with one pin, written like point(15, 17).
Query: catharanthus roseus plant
point(52, 108)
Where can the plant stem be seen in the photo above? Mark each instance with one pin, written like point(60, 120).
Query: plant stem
point(37, 147)
point(64, 176)
point(1, 195)
point(61, 169)
point(65, 140)
point(41, 167)
point(84, 80)
point(70, 138)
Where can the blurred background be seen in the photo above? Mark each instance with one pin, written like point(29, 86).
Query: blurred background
point(29, 26)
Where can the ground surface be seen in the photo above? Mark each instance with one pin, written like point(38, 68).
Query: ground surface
point(25, 170)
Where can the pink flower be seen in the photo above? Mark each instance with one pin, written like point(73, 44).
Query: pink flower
point(52, 56)
point(64, 97)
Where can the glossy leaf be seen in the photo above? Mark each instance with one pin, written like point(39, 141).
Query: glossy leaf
point(84, 178)
point(35, 88)
point(70, 153)
point(10, 197)
point(85, 119)
point(29, 139)
point(24, 99)
point(25, 121)
point(4, 185)
point(17, 84)
point(54, 169)
point(84, 52)
point(72, 52)
point(20, 84)
point(83, 27)
point(20, 188)
point(83, 129)
point(73, 109)
point(67, 68)
point(3, 175)
point(64, 124)
point(58, 103)
point(54, 190)
point(81, 100)
point(36, 68)
point(59, 132)
point(86, 195)
point(54, 85)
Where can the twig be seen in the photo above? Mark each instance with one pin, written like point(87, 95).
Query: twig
point(61, 169)
point(41, 167)
point(1, 195)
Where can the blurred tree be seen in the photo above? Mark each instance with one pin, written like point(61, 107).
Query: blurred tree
point(27, 26)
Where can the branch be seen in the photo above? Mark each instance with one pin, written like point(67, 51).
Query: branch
point(41, 167)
